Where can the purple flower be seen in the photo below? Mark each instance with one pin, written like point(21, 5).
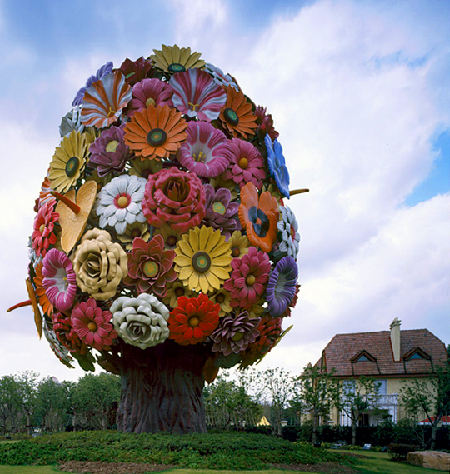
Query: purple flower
point(220, 212)
point(109, 152)
point(150, 91)
point(59, 279)
point(105, 69)
point(206, 151)
point(281, 287)
point(197, 95)
point(246, 164)
point(235, 333)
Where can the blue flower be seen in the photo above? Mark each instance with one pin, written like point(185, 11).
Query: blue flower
point(277, 165)
point(105, 69)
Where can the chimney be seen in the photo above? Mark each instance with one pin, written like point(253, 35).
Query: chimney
point(395, 339)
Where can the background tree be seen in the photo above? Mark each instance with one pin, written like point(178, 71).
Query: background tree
point(228, 404)
point(27, 384)
point(161, 268)
point(356, 398)
point(429, 398)
point(10, 404)
point(274, 387)
point(53, 405)
point(93, 399)
point(316, 391)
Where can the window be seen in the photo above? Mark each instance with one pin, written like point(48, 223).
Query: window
point(382, 386)
point(416, 355)
point(363, 356)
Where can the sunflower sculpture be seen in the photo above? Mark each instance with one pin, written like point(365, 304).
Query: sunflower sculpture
point(162, 247)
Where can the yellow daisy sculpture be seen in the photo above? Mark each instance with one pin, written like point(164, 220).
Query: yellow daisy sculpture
point(174, 59)
point(203, 260)
point(68, 162)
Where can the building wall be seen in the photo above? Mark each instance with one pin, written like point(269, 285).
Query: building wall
point(392, 402)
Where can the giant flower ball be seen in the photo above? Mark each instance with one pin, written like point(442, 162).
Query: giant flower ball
point(163, 218)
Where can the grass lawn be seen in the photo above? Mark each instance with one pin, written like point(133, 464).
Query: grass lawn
point(369, 463)
point(380, 463)
point(27, 470)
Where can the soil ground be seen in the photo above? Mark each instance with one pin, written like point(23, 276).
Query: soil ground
point(140, 468)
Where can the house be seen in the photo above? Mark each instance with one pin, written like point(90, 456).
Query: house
point(390, 357)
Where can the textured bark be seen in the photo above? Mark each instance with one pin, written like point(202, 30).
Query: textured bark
point(162, 389)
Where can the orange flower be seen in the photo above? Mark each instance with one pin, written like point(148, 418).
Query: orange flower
point(237, 116)
point(46, 306)
point(259, 217)
point(155, 132)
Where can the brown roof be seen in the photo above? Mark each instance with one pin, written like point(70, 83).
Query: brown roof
point(344, 348)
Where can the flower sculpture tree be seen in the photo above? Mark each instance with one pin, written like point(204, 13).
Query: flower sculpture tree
point(162, 249)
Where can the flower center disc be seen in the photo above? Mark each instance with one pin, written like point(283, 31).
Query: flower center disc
point(135, 233)
point(220, 298)
point(176, 67)
point(150, 269)
point(150, 101)
point(243, 163)
point(219, 208)
point(172, 241)
point(156, 137)
point(111, 147)
point(260, 222)
point(72, 166)
point(179, 291)
point(237, 337)
point(250, 280)
point(193, 322)
point(201, 262)
point(92, 326)
point(41, 229)
point(122, 202)
point(231, 116)
point(235, 252)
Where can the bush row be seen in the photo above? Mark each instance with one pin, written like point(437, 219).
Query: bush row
point(211, 451)
point(381, 435)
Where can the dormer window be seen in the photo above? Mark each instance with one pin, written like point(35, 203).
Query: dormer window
point(363, 356)
point(416, 354)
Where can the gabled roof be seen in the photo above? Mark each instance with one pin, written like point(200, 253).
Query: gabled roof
point(342, 351)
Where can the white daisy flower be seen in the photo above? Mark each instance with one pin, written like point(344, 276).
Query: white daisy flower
point(119, 203)
point(289, 237)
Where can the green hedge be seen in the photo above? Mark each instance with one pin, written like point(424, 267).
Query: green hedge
point(231, 451)
point(381, 435)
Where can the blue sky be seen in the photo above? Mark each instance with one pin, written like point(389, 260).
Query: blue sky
point(359, 92)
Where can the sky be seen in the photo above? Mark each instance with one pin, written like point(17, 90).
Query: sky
point(360, 96)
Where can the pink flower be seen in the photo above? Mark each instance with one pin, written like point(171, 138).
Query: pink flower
point(150, 91)
point(66, 334)
point(174, 197)
point(206, 151)
point(59, 279)
point(197, 95)
point(248, 278)
point(246, 164)
point(44, 228)
point(93, 325)
point(150, 266)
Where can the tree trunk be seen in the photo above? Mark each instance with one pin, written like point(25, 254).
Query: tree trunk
point(353, 432)
point(162, 389)
point(315, 422)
